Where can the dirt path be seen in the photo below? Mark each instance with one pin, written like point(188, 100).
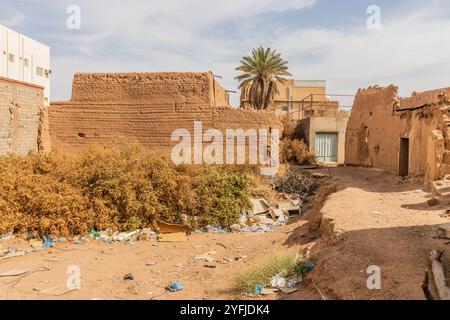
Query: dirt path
point(373, 218)
point(376, 219)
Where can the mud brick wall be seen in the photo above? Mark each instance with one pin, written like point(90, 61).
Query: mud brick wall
point(21, 127)
point(145, 107)
point(380, 118)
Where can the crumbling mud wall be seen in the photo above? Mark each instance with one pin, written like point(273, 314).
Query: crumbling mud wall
point(153, 88)
point(380, 119)
point(21, 107)
point(146, 107)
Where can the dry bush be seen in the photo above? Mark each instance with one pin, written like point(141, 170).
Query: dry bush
point(295, 151)
point(293, 148)
point(122, 187)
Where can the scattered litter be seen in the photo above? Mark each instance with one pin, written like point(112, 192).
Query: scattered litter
point(210, 265)
point(29, 272)
point(126, 236)
point(288, 290)
point(36, 244)
point(13, 255)
point(14, 273)
point(95, 234)
point(216, 230)
point(303, 270)
point(174, 286)
point(235, 228)
point(151, 264)
point(240, 258)
point(291, 283)
point(48, 243)
point(260, 206)
point(179, 265)
point(278, 281)
point(204, 257)
point(268, 291)
point(56, 291)
point(12, 249)
point(146, 234)
point(222, 245)
point(310, 266)
point(258, 289)
point(128, 277)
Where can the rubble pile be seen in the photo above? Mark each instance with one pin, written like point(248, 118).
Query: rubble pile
point(295, 181)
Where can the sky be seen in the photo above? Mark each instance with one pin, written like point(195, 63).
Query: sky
point(321, 39)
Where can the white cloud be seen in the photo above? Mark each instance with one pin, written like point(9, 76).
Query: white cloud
point(411, 50)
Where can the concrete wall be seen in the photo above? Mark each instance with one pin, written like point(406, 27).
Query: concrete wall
point(28, 55)
point(23, 125)
point(380, 119)
point(291, 92)
point(147, 107)
point(310, 126)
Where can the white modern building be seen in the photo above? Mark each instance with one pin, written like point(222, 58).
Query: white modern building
point(24, 59)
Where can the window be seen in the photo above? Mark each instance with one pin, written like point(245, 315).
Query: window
point(26, 62)
point(40, 71)
point(11, 58)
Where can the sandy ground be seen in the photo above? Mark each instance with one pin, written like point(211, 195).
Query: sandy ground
point(373, 218)
point(103, 266)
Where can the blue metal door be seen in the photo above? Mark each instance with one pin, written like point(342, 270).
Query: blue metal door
point(326, 147)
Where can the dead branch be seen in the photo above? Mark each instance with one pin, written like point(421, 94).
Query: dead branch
point(434, 285)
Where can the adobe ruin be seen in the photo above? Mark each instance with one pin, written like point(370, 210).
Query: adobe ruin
point(409, 136)
point(147, 107)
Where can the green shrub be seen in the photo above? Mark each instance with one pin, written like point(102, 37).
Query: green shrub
point(284, 264)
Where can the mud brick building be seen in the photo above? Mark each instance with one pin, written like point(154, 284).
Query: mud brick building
point(410, 136)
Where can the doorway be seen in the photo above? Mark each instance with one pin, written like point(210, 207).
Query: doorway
point(404, 157)
point(326, 147)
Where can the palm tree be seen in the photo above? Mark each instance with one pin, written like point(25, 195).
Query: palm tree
point(260, 74)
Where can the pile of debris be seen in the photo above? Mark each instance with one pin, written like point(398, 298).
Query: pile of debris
point(295, 181)
point(265, 217)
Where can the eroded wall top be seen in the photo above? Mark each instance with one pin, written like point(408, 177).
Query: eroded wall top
point(428, 98)
point(162, 87)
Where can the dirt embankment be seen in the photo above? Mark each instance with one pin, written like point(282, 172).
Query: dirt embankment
point(376, 219)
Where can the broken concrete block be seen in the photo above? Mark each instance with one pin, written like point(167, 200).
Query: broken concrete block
point(443, 231)
point(260, 206)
